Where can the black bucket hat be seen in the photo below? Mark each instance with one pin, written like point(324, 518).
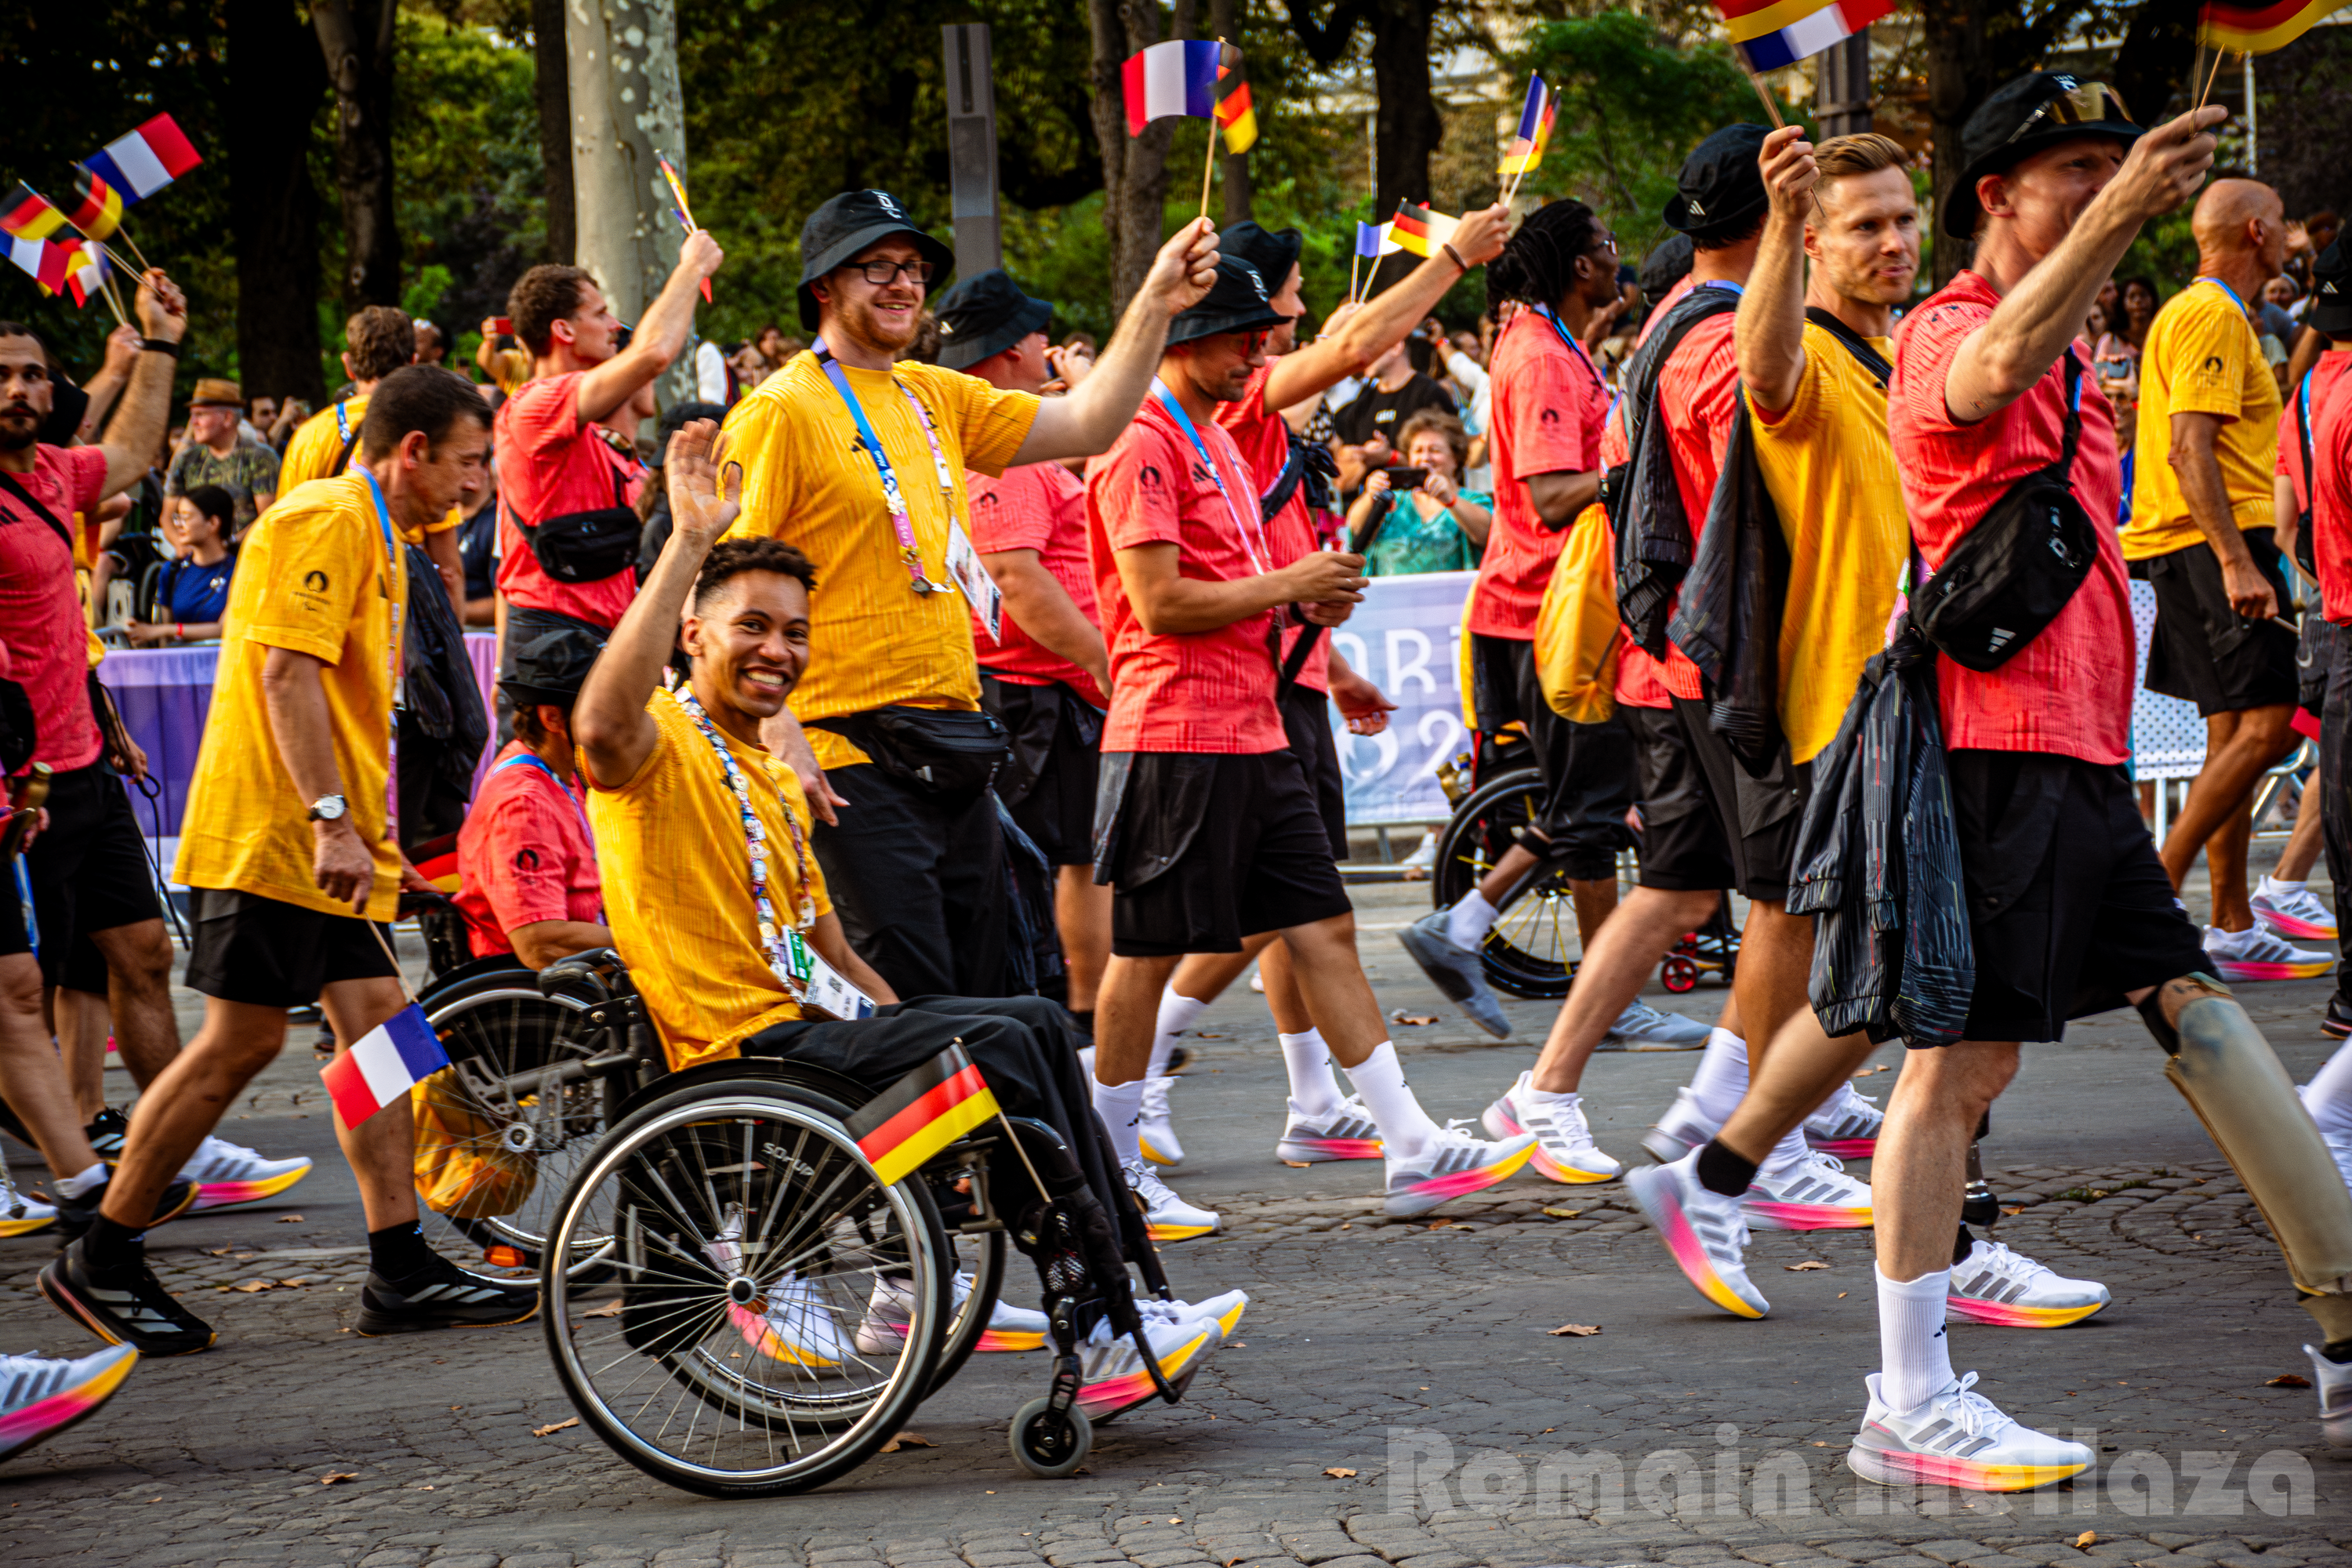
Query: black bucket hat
point(986, 315)
point(676, 417)
point(1274, 253)
point(2331, 292)
point(846, 225)
point(549, 655)
point(2018, 120)
point(1235, 302)
point(1719, 184)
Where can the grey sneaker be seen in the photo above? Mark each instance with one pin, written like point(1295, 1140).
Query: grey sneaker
point(1642, 1027)
point(1458, 973)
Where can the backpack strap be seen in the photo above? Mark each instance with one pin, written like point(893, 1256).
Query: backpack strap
point(2063, 471)
point(8, 481)
point(1864, 353)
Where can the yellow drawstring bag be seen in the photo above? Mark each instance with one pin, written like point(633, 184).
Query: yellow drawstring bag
point(1577, 631)
point(463, 1170)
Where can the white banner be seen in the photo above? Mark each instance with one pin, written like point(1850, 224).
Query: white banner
point(1406, 638)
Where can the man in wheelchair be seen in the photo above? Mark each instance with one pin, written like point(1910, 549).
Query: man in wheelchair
point(720, 910)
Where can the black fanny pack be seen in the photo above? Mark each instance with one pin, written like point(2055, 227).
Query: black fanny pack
point(2015, 570)
point(588, 546)
point(948, 751)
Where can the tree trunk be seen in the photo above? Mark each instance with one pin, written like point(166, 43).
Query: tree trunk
point(1406, 127)
point(1973, 47)
point(551, 87)
point(2157, 59)
point(1135, 168)
point(626, 106)
point(358, 48)
point(1224, 21)
point(275, 80)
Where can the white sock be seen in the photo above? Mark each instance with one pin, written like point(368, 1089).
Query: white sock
point(1548, 1097)
point(1120, 1106)
point(1405, 1128)
point(2328, 1095)
point(82, 1182)
point(1914, 1359)
point(1722, 1075)
point(1176, 1016)
point(1313, 1091)
point(1469, 920)
point(2277, 889)
point(1788, 1152)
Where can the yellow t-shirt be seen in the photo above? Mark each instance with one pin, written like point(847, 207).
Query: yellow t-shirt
point(1830, 467)
point(873, 640)
point(314, 577)
point(317, 441)
point(677, 886)
point(2202, 357)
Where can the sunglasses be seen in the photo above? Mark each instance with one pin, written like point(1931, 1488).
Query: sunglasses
point(2086, 103)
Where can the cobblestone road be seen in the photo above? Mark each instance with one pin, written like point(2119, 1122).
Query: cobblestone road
point(1411, 1355)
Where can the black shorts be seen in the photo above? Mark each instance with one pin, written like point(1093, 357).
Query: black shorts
point(2069, 907)
point(14, 936)
point(88, 868)
point(1306, 720)
point(2202, 650)
point(1048, 781)
point(1205, 849)
point(1587, 770)
point(1683, 847)
point(918, 878)
point(1758, 816)
point(247, 948)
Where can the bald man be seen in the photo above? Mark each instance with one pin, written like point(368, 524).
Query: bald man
point(2201, 527)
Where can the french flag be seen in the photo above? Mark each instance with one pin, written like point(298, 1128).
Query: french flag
point(1175, 77)
point(144, 160)
point(388, 1061)
point(1771, 33)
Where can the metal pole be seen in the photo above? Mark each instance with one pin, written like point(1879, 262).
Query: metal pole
point(971, 149)
point(1842, 87)
point(2253, 141)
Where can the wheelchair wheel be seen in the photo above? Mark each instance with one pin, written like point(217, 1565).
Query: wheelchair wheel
point(500, 1133)
point(734, 1350)
point(1047, 1444)
point(1530, 952)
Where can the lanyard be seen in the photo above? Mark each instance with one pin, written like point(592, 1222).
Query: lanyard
point(525, 759)
point(773, 941)
point(1258, 552)
point(891, 495)
point(2232, 293)
point(1574, 347)
point(343, 423)
point(391, 640)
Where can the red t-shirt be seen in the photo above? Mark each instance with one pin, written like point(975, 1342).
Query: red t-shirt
point(1182, 691)
point(1040, 506)
point(1262, 437)
point(40, 614)
point(2068, 691)
point(2338, 572)
point(1698, 391)
point(1641, 679)
point(1546, 408)
point(551, 464)
point(524, 855)
point(2331, 500)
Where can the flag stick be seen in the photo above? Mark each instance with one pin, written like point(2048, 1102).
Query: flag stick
point(1354, 262)
point(1208, 167)
point(113, 300)
point(144, 264)
point(2210, 76)
point(1757, 82)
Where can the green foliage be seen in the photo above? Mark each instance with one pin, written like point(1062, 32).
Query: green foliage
point(466, 168)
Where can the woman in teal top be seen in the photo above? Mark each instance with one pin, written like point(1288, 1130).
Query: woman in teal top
point(1433, 527)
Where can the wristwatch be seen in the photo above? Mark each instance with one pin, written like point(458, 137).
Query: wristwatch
point(327, 808)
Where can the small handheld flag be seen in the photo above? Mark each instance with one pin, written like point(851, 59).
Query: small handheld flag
point(684, 212)
point(47, 263)
point(85, 271)
point(1178, 77)
point(1372, 240)
point(2256, 28)
point(142, 162)
point(1771, 34)
point(383, 1065)
point(100, 212)
point(904, 1126)
point(1528, 142)
point(29, 216)
point(1234, 115)
point(1422, 231)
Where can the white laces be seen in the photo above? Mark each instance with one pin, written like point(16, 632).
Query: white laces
point(1973, 1413)
point(2015, 1263)
point(1147, 1183)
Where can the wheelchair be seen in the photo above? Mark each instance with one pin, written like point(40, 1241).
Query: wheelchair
point(735, 1302)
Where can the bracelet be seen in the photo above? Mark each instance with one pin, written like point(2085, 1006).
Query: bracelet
point(180, 630)
point(1447, 246)
point(159, 346)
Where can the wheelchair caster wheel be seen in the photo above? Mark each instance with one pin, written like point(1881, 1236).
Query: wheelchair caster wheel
point(1678, 974)
point(1050, 1446)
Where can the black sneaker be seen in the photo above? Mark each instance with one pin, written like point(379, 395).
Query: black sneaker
point(124, 1307)
point(106, 1132)
point(443, 1297)
point(2337, 1022)
point(75, 1216)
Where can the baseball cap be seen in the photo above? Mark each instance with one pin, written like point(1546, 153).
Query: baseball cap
point(1236, 302)
point(846, 225)
point(1719, 184)
point(2331, 292)
point(549, 656)
point(2018, 120)
point(986, 315)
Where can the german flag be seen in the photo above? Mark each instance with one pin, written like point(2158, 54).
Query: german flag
point(921, 1114)
point(1420, 230)
point(2252, 27)
point(99, 212)
point(29, 216)
point(1238, 121)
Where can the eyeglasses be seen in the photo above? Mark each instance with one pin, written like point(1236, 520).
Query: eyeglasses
point(882, 273)
point(2083, 104)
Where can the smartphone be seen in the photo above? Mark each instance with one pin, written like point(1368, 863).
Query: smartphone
point(1406, 479)
point(502, 325)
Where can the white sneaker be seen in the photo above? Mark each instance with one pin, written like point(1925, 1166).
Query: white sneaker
point(1154, 1129)
point(1642, 1027)
point(1564, 1148)
point(1681, 1130)
point(2255, 954)
point(2292, 909)
point(1168, 1216)
point(1704, 1232)
point(20, 1215)
point(1345, 1132)
point(1994, 1284)
point(1811, 1193)
point(1449, 1165)
point(226, 1174)
point(1846, 1125)
point(1424, 854)
point(2335, 1385)
point(1959, 1439)
point(786, 1321)
point(1225, 1310)
point(40, 1396)
point(890, 1312)
point(1112, 1376)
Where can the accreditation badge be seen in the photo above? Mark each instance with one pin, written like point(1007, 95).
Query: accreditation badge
point(980, 589)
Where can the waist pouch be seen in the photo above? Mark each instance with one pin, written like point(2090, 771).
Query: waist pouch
point(2015, 570)
point(585, 546)
point(947, 751)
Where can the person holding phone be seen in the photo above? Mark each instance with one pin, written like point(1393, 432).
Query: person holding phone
point(1415, 518)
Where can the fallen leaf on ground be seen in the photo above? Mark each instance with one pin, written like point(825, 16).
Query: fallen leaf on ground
point(249, 1286)
point(1562, 1213)
point(2020, 1209)
point(1867, 1071)
point(1339, 1473)
point(2088, 1538)
point(1579, 1331)
point(2288, 1379)
point(1296, 1165)
point(1402, 1017)
point(908, 1440)
point(219, 1251)
point(609, 1310)
point(332, 1476)
point(1202, 1035)
point(554, 1426)
point(1841, 1295)
point(1807, 1267)
point(289, 1219)
point(1439, 1224)
point(292, 1284)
